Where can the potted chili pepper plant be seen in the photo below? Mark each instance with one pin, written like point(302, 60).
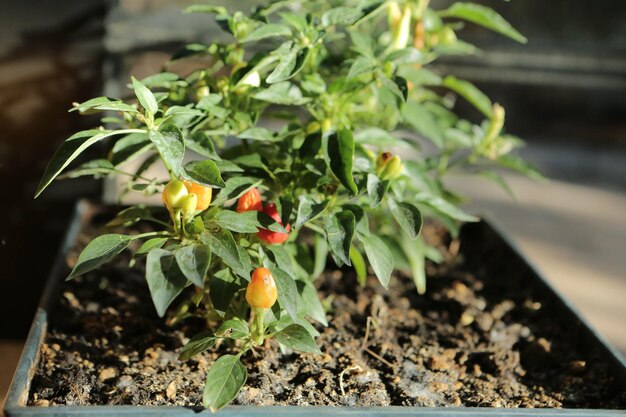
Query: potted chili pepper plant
point(265, 243)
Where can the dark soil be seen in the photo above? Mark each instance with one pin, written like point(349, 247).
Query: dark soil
point(479, 337)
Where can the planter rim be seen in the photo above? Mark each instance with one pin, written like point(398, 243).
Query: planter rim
point(17, 395)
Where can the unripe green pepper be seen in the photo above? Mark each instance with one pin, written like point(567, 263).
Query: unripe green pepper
point(188, 206)
point(174, 194)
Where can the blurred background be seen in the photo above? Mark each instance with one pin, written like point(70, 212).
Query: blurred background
point(564, 94)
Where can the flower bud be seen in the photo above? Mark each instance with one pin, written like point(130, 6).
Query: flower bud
point(174, 193)
point(268, 236)
point(202, 91)
point(261, 291)
point(253, 79)
point(388, 166)
point(250, 201)
point(204, 194)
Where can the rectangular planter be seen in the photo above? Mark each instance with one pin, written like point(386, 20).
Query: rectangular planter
point(483, 242)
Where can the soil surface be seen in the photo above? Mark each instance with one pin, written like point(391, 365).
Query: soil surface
point(479, 337)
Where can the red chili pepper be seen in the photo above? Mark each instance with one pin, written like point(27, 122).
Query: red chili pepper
point(269, 236)
point(250, 201)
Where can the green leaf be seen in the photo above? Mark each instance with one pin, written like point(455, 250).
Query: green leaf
point(70, 149)
point(376, 189)
point(517, 164)
point(484, 16)
point(408, 217)
point(145, 97)
point(246, 222)
point(223, 245)
point(286, 65)
point(259, 133)
point(339, 154)
point(339, 229)
point(281, 258)
point(444, 207)
point(379, 257)
point(154, 243)
point(287, 291)
point(320, 247)
point(267, 31)
point(309, 210)
point(129, 146)
point(361, 65)
point(132, 215)
point(310, 304)
point(234, 329)
point(197, 344)
point(95, 167)
point(470, 93)
point(414, 251)
point(165, 280)
point(194, 261)
point(281, 93)
point(359, 265)
point(423, 122)
point(99, 251)
point(235, 187)
point(298, 338)
point(223, 382)
point(202, 144)
point(103, 103)
point(169, 142)
point(341, 16)
point(204, 172)
point(222, 287)
point(206, 8)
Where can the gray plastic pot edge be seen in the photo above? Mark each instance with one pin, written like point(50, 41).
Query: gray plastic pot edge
point(17, 397)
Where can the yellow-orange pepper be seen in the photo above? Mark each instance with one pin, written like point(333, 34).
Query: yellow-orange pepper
point(261, 291)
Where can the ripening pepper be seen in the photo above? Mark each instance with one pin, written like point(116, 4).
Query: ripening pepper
point(174, 193)
point(205, 194)
point(269, 236)
point(388, 166)
point(250, 201)
point(261, 291)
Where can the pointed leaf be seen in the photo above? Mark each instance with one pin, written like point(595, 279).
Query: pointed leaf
point(298, 338)
point(267, 31)
point(69, 150)
point(99, 251)
point(205, 173)
point(376, 189)
point(197, 344)
point(165, 279)
point(145, 96)
point(470, 93)
point(223, 382)
point(309, 210)
point(194, 261)
point(169, 142)
point(484, 16)
point(339, 153)
point(408, 217)
point(379, 257)
point(339, 229)
point(439, 204)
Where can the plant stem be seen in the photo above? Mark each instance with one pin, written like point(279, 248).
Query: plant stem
point(258, 325)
